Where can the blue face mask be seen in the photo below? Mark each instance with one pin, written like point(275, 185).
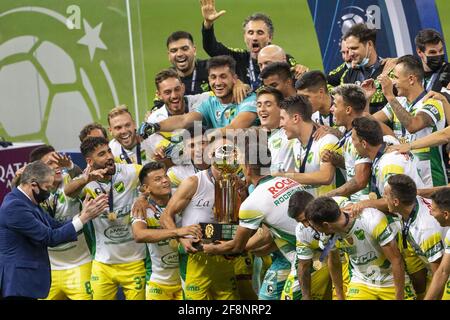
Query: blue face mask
point(364, 61)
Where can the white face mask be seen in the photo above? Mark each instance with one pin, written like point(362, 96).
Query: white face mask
point(364, 61)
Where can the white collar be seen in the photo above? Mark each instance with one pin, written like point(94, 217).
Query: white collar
point(20, 189)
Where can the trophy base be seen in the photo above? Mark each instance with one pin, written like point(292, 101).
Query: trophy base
point(218, 231)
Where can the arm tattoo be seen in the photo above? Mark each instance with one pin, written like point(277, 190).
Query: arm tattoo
point(403, 116)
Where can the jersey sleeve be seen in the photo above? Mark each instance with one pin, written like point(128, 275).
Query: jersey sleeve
point(392, 167)
point(249, 104)
point(432, 245)
point(174, 179)
point(194, 101)
point(250, 216)
point(205, 110)
point(304, 243)
point(328, 142)
point(379, 227)
point(387, 110)
point(434, 109)
point(447, 242)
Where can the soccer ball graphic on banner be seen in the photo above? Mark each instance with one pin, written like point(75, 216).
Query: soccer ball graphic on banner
point(45, 91)
point(349, 20)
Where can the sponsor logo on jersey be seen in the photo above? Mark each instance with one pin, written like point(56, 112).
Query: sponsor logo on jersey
point(364, 259)
point(276, 144)
point(359, 234)
point(170, 259)
point(117, 233)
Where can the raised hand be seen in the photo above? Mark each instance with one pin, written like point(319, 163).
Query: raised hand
point(299, 70)
point(387, 86)
point(92, 208)
point(209, 12)
point(63, 160)
point(240, 91)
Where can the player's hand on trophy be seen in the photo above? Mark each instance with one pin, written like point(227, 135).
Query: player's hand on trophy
point(192, 230)
point(147, 129)
point(191, 245)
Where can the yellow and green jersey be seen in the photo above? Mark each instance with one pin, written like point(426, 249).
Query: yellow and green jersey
point(363, 242)
point(114, 242)
point(314, 160)
point(431, 165)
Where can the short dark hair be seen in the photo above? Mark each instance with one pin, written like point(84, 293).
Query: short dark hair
point(260, 17)
point(322, 209)
point(89, 127)
point(298, 203)
point(177, 35)
point(427, 36)
point(149, 167)
point(39, 152)
point(312, 80)
point(298, 104)
point(352, 95)
point(166, 74)
point(281, 69)
point(413, 65)
point(256, 151)
point(221, 61)
point(90, 144)
point(368, 130)
point(362, 32)
point(270, 90)
point(442, 199)
point(403, 187)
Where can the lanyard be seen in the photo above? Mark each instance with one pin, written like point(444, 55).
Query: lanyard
point(407, 225)
point(138, 155)
point(110, 196)
point(431, 81)
point(194, 77)
point(254, 81)
point(412, 104)
point(332, 242)
point(159, 210)
point(373, 177)
point(308, 148)
point(341, 142)
point(329, 116)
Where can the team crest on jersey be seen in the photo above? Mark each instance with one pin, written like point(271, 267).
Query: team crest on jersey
point(310, 157)
point(119, 186)
point(122, 156)
point(359, 234)
point(218, 114)
point(276, 144)
point(98, 191)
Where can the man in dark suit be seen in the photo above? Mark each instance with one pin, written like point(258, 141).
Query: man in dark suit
point(26, 231)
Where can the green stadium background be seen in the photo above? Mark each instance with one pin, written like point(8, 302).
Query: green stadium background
point(151, 22)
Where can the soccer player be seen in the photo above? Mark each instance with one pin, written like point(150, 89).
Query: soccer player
point(126, 145)
point(413, 117)
point(311, 275)
point(194, 201)
point(267, 204)
point(171, 91)
point(377, 267)
point(163, 272)
point(420, 232)
point(70, 262)
point(217, 111)
point(313, 84)
point(367, 138)
point(349, 104)
point(93, 130)
point(192, 72)
point(281, 148)
point(118, 259)
point(278, 75)
point(440, 209)
point(316, 176)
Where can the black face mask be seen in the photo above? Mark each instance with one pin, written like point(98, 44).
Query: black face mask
point(435, 62)
point(42, 195)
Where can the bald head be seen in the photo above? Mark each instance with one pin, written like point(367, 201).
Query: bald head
point(269, 54)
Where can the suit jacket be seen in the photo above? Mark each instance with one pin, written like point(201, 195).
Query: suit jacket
point(26, 231)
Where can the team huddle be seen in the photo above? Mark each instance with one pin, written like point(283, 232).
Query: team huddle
point(343, 178)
